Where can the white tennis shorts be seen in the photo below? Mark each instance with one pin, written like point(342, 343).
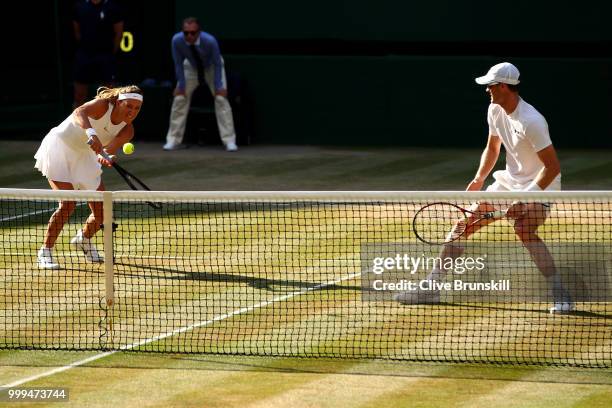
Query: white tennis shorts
point(503, 183)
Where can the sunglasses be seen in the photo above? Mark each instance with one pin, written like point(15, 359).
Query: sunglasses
point(190, 32)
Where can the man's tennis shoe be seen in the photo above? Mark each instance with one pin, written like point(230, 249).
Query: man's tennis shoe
point(418, 297)
point(562, 308)
point(172, 146)
point(88, 248)
point(45, 259)
point(231, 147)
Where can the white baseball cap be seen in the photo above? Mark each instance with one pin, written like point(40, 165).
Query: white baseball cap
point(505, 73)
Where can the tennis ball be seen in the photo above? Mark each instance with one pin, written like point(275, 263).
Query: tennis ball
point(128, 148)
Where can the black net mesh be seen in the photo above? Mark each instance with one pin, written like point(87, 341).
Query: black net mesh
point(313, 277)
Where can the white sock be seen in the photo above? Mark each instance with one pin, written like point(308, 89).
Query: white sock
point(81, 235)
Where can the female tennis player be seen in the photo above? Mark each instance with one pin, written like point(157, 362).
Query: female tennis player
point(531, 165)
point(69, 157)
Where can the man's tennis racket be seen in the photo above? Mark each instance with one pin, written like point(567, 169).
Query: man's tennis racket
point(134, 182)
point(441, 223)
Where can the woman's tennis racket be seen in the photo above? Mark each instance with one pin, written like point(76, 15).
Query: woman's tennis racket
point(441, 223)
point(134, 182)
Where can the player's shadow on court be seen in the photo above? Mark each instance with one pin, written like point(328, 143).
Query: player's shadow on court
point(513, 308)
point(263, 283)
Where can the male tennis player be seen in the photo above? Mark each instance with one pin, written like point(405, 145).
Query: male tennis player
point(531, 165)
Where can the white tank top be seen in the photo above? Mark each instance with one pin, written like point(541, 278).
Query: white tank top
point(75, 137)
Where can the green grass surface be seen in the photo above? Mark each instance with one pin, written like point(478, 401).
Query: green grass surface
point(125, 379)
point(304, 168)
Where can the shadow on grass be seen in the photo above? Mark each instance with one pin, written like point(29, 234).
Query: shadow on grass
point(420, 369)
point(576, 313)
point(285, 285)
point(269, 284)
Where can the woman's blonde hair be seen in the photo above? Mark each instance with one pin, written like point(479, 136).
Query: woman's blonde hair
point(113, 93)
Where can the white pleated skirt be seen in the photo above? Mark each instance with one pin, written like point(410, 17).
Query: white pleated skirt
point(59, 162)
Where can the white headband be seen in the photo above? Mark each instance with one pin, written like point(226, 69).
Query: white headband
point(130, 95)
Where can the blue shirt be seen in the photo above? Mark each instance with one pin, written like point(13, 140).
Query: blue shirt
point(207, 47)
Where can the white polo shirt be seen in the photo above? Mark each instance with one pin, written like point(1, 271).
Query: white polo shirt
point(523, 133)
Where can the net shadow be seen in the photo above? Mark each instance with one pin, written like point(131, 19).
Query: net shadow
point(269, 284)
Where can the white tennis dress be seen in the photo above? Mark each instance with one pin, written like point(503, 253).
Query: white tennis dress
point(64, 154)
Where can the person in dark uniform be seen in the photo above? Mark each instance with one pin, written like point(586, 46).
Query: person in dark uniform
point(98, 28)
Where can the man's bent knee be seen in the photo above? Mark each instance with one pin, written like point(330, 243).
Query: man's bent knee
point(526, 233)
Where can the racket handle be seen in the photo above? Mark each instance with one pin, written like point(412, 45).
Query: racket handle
point(494, 214)
point(102, 153)
point(106, 156)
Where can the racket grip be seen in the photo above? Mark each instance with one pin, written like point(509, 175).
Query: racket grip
point(105, 155)
point(103, 152)
point(498, 214)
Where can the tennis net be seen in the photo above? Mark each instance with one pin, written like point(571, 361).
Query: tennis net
point(314, 274)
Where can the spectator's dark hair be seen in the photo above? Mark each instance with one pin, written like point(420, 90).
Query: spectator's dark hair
point(513, 88)
point(190, 20)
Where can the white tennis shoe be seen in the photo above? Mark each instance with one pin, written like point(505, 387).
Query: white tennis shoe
point(562, 308)
point(418, 297)
point(45, 259)
point(88, 248)
point(231, 147)
point(175, 146)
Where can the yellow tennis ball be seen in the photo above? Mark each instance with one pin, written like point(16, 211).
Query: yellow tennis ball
point(128, 148)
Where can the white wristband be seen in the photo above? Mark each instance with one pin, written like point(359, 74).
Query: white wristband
point(533, 186)
point(91, 132)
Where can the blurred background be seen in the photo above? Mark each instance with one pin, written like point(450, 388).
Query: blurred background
point(384, 73)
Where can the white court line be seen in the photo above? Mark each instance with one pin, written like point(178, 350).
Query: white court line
point(178, 331)
point(16, 217)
